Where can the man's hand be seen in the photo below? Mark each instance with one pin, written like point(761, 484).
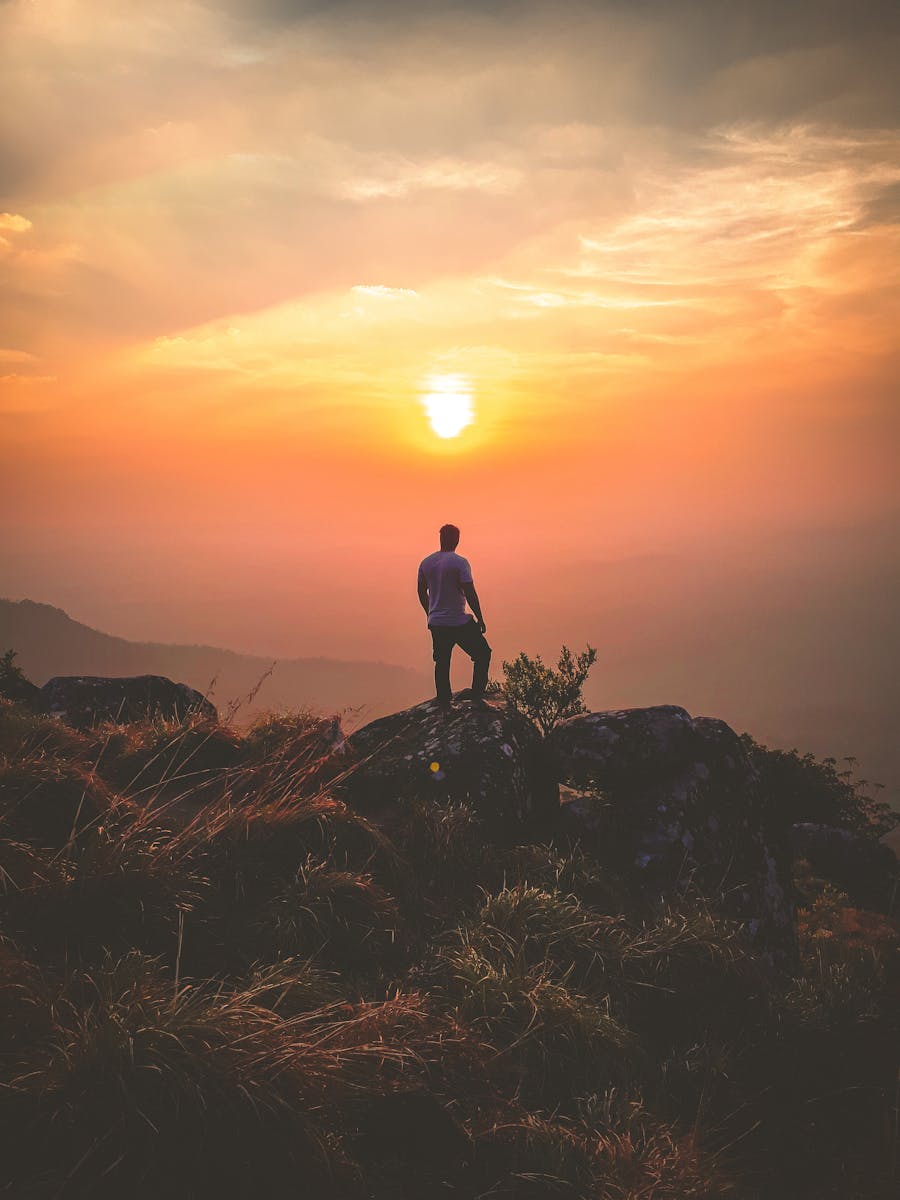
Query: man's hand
point(482, 628)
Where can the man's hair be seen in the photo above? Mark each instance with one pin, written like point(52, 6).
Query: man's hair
point(449, 537)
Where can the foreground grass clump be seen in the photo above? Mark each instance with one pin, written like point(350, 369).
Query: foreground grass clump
point(218, 980)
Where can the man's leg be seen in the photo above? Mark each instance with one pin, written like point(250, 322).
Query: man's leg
point(442, 641)
point(473, 641)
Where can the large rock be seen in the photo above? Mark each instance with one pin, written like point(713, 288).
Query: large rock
point(676, 801)
point(482, 754)
point(86, 700)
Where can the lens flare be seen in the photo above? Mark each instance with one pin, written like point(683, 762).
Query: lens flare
point(448, 403)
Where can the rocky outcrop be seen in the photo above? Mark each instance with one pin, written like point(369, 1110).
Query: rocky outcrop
point(480, 753)
point(676, 800)
point(668, 799)
point(86, 700)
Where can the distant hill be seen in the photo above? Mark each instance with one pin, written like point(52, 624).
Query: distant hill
point(48, 642)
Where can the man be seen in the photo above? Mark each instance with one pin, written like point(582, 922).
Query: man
point(445, 584)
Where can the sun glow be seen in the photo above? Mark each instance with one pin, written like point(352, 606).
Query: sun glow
point(448, 403)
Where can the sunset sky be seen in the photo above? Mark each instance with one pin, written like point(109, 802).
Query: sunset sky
point(654, 244)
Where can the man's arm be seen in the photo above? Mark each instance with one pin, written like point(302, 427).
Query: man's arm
point(472, 598)
point(423, 592)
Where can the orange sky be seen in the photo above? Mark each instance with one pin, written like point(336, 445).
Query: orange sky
point(658, 241)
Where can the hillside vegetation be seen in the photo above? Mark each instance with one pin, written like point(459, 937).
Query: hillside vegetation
point(218, 980)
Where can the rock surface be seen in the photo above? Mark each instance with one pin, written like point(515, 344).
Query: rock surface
point(677, 799)
point(85, 700)
point(479, 753)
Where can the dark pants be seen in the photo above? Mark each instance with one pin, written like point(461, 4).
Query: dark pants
point(469, 638)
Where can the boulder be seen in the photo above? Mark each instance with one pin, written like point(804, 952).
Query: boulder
point(860, 866)
point(86, 700)
point(479, 752)
point(675, 801)
point(633, 743)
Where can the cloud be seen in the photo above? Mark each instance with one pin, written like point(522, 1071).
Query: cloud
point(646, 171)
point(385, 293)
point(399, 179)
point(14, 223)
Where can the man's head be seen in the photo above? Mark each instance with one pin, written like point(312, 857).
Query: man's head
point(449, 537)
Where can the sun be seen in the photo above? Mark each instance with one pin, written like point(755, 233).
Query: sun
point(448, 403)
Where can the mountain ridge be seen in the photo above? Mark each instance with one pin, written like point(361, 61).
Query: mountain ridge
point(49, 642)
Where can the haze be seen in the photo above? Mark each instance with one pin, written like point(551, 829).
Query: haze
point(659, 242)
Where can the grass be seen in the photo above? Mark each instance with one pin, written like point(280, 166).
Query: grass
point(217, 979)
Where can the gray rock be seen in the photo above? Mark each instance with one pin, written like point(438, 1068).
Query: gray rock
point(86, 700)
point(623, 745)
point(676, 801)
point(482, 754)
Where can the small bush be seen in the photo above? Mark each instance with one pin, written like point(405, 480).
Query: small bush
point(544, 695)
point(801, 787)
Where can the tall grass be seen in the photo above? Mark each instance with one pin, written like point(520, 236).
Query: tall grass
point(219, 980)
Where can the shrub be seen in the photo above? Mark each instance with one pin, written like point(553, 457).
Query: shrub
point(13, 683)
point(544, 695)
point(801, 787)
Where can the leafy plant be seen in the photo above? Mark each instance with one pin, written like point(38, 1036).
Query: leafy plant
point(801, 787)
point(546, 695)
point(13, 683)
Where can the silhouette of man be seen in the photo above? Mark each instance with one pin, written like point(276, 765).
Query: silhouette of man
point(445, 584)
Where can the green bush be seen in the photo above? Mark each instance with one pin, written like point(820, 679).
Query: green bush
point(544, 695)
point(800, 787)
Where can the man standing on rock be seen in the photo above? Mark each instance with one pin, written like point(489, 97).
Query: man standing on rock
point(445, 584)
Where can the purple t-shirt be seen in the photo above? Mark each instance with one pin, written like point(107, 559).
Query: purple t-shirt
point(445, 572)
